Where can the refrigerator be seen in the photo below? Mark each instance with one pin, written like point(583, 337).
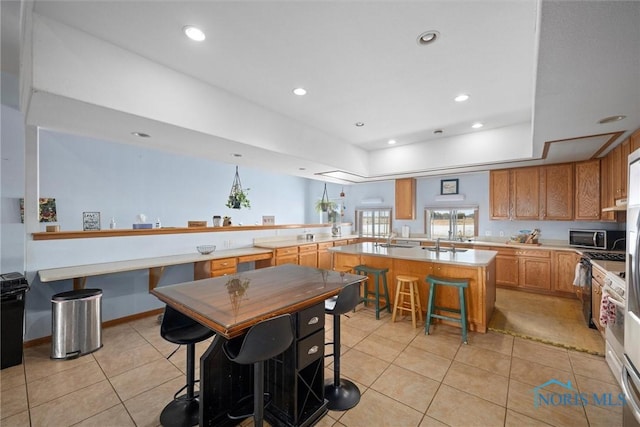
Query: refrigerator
point(631, 365)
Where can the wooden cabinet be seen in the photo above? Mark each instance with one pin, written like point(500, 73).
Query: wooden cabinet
point(616, 172)
point(308, 255)
point(606, 189)
point(214, 268)
point(499, 194)
point(324, 256)
point(587, 194)
point(534, 269)
point(564, 267)
point(506, 267)
point(625, 150)
point(597, 283)
point(635, 141)
point(406, 198)
point(288, 255)
point(557, 192)
point(526, 193)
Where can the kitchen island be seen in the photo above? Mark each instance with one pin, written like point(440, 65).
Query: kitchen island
point(476, 265)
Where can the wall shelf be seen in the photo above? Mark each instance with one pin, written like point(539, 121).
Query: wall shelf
point(165, 230)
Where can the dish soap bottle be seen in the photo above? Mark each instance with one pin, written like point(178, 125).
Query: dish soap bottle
point(158, 224)
point(112, 224)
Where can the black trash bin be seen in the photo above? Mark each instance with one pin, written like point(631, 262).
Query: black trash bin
point(13, 287)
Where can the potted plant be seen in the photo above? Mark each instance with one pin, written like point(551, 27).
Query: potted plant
point(238, 199)
point(325, 206)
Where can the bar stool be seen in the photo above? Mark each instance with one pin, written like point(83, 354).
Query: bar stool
point(407, 286)
point(461, 284)
point(377, 273)
point(263, 341)
point(183, 330)
point(341, 394)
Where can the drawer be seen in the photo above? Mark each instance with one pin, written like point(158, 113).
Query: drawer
point(218, 264)
point(533, 253)
point(310, 349)
point(292, 250)
point(308, 248)
point(325, 246)
point(223, 272)
point(257, 257)
point(310, 320)
point(340, 243)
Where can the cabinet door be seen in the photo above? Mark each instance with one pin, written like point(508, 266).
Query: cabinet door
point(587, 197)
point(324, 256)
point(556, 190)
point(534, 273)
point(526, 193)
point(564, 267)
point(406, 198)
point(308, 258)
point(606, 194)
point(506, 267)
point(499, 194)
point(615, 172)
point(625, 150)
point(596, 296)
point(635, 141)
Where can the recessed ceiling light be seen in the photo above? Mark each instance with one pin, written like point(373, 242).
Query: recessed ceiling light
point(428, 37)
point(461, 98)
point(302, 169)
point(300, 91)
point(438, 131)
point(194, 33)
point(391, 141)
point(477, 125)
point(141, 134)
point(359, 124)
point(236, 155)
point(611, 119)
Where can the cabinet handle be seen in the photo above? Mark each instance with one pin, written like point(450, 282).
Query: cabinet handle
point(313, 350)
point(313, 320)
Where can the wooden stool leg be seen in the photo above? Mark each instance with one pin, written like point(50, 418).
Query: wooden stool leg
point(415, 284)
point(413, 305)
point(396, 307)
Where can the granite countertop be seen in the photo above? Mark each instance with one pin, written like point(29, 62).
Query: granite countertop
point(471, 257)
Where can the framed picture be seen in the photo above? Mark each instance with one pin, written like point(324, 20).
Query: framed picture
point(449, 186)
point(90, 221)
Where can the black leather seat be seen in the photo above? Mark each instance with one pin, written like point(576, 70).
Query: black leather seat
point(180, 329)
point(341, 394)
point(263, 341)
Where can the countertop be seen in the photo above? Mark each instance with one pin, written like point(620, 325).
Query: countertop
point(472, 257)
point(275, 244)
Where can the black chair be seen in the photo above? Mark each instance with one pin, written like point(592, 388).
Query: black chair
point(341, 394)
point(263, 341)
point(179, 329)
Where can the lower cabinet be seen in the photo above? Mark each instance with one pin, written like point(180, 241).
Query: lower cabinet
point(534, 269)
point(564, 267)
point(506, 267)
point(324, 256)
point(295, 379)
point(597, 283)
point(288, 255)
point(308, 255)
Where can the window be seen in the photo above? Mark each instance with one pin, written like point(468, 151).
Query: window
point(451, 223)
point(373, 222)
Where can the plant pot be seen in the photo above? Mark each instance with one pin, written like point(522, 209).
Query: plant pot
point(324, 207)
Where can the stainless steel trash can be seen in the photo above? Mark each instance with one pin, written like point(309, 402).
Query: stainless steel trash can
point(76, 319)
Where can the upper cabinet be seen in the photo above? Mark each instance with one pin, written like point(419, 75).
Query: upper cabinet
point(536, 193)
point(635, 141)
point(406, 198)
point(587, 196)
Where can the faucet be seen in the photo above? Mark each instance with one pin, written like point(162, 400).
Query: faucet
point(460, 237)
point(391, 236)
point(438, 244)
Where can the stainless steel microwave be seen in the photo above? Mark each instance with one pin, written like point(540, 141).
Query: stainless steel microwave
point(597, 239)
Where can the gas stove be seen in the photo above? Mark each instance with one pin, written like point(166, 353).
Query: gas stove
point(605, 256)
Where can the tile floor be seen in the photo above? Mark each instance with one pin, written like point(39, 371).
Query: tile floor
point(406, 379)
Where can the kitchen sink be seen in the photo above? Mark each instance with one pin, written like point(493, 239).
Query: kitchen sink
point(387, 245)
point(433, 249)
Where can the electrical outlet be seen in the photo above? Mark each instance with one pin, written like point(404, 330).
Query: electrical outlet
point(501, 233)
point(487, 233)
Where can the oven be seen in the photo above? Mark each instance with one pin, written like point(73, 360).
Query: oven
point(612, 314)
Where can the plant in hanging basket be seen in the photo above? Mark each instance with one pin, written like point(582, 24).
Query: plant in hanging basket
point(239, 200)
point(325, 206)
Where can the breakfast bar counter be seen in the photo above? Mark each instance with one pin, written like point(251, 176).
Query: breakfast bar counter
point(478, 266)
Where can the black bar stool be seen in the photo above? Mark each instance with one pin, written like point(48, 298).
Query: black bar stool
point(263, 341)
point(180, 329)
point(341, 393)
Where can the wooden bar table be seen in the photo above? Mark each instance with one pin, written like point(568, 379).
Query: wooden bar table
point(230, 305)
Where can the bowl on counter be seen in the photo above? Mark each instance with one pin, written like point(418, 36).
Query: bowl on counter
point(206, 249)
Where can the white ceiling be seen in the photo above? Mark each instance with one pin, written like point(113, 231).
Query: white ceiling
point(559, 66)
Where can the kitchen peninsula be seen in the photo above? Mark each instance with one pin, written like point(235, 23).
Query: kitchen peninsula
point(476, 265)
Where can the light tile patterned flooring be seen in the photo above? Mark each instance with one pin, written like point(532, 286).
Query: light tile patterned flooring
point(406, 379)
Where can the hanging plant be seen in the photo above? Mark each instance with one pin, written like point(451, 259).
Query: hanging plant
point(324, 203)
point(325, 206)
point(237, 196)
